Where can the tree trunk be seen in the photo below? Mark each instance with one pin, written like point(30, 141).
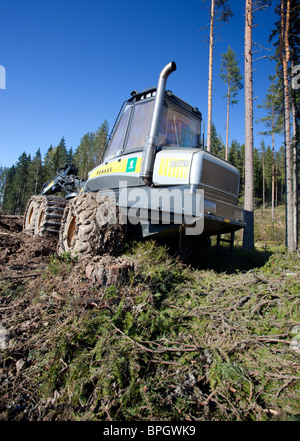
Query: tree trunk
point(285, 55)
point(211, 47)
point(264, 185)
point(248, 236)
point(295, 170)
point(227, 122)
point(273, 169)
point(276, 193)
point(3, 195)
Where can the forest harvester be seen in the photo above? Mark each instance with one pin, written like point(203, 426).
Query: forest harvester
point(155, 146)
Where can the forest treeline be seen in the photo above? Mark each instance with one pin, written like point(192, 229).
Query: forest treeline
point(25, 178)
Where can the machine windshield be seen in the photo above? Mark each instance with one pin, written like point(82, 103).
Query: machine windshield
point(140, 121)
point(117, 142)
point(140, 125)
point(178, 128)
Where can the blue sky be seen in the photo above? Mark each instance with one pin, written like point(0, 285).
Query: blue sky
point(70, 64)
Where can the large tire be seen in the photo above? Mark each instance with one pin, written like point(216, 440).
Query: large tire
point(30, 214)
point(86, 228)
point(49, 215)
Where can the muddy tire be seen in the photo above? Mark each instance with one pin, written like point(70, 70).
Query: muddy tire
point(87, 228)
point(30, 214)
point(49, 215)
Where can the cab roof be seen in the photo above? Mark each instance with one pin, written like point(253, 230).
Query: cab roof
point(151, 92)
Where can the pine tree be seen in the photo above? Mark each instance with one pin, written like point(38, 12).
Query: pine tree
point(220, 11)
point(294, 39)
point(287, 43)
point(248, 236)
point(284, 54)
point(230, 74)
point(273, 123)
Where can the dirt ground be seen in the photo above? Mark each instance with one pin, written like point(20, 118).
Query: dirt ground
point(20, 252)
point(51, 309)
point(23, 257)
point(29, 267)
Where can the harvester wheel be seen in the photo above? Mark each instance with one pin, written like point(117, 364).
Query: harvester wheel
point(49, 215)
point(90, 227)
point(31, 213)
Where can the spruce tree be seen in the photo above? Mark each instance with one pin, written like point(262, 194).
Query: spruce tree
point(60, 156)
point(217, 145)
point(18, 186)
point(100, 141)
point(84, 155)
point(9, 194)
point(35, 174)
point(257, 177)
point(236, 158)
point(48, 168)
point(3, 179)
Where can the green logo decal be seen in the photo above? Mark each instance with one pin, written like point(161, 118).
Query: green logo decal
point(131, 164)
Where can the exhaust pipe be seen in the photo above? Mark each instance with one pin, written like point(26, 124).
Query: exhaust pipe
point(151, 141)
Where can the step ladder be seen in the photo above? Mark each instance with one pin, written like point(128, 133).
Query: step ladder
point(230, 241)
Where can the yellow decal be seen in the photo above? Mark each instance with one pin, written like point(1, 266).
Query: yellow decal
point(174, 168)
point(125, 165)
point(161, 166)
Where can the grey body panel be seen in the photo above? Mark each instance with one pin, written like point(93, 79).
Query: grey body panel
point(186, 169)
point(112, 182)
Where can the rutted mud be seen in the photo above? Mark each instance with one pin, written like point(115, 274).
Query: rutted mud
point(35, 282)
point(21, 252)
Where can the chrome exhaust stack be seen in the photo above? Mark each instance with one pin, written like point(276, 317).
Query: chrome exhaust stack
point(151, 141)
